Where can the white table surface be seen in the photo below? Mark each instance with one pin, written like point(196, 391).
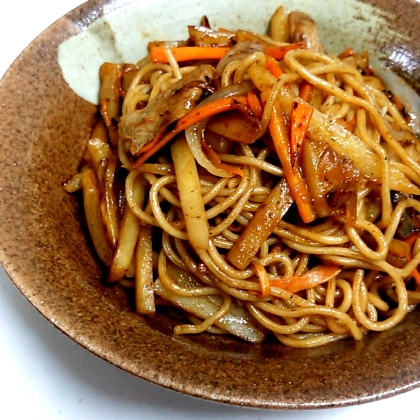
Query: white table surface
point(44, 375)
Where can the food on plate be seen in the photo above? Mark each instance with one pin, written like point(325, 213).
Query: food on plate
point(257, 183)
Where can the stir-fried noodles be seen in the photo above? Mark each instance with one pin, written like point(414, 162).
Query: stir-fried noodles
point(257, 183)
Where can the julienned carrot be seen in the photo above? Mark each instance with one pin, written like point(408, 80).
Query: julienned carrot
point(412, 239)
point(346, 53)
point(368, 71)
point(305, 91)
point(307, 280)
point(254, 104)
point(301, 117)
point(215, 160)
point(196, 115)
point(273, 67)
point(279, 52)
point(263, 278)
point(297, 185)
point(158, 55)
point(416, 276)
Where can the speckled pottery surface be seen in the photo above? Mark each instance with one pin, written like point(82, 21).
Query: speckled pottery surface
point(47, 112)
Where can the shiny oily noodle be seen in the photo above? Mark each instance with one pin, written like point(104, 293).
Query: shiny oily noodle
point(258, 184)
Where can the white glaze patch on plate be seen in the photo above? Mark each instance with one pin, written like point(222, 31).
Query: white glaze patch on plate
point(122, 35)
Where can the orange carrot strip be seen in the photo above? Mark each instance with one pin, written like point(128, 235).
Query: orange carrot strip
point(196, 115)
point(307, 280)
point(157, 53)
point(264, 96)
point(412, 239)
point(261, 226)
point(254, 104)
point(301, 116)
point(297, 185)
point(416, 276)
point(273, 67)
point(368, 70)
point(263, 278)
point(305, 91)
point(279, 52)
point(215, 160)
point(346, 53)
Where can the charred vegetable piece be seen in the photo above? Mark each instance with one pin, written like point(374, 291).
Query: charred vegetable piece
point(260, 226)
point(110, 98)
point(238, 125)
point(201, 36)
point(324, 172)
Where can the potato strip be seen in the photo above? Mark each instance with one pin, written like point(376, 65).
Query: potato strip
point(190, 194)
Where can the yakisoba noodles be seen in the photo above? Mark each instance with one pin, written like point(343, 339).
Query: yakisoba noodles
point(259, 184)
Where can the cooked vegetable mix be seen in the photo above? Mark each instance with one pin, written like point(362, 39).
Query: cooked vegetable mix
point(259, 184)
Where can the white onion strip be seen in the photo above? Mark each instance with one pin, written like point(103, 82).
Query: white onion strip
point(194, 134)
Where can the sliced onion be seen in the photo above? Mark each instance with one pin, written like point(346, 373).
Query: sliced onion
point(238, 89)
point(239, 52)
point(405, 93)
point(194, 134)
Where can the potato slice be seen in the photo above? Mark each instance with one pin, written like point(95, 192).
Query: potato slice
point(190, 194)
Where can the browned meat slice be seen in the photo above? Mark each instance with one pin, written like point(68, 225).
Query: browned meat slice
point(205, 37)
point(303, 29)
point(139, 127)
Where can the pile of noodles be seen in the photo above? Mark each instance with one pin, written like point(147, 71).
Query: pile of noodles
point(252, 234)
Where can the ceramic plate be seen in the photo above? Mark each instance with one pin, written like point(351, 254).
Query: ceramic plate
point(48, 100)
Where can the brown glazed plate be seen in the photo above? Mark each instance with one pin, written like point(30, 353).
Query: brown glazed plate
point(48, 110)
